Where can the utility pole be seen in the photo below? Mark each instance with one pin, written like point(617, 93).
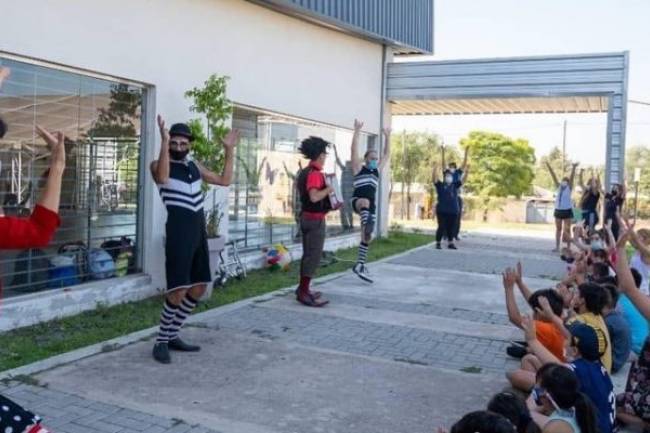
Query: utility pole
point(564, 147)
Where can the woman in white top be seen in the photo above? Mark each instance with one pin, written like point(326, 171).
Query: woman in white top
point(563, 206)
point(641, 259)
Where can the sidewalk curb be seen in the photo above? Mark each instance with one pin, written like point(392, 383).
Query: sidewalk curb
point(145, 334)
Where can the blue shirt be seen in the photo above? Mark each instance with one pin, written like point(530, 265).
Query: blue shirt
point(448, 198)
point(638, 323)
point(597, 385)
point(619, 335)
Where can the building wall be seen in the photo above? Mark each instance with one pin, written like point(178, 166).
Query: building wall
point(275, 62)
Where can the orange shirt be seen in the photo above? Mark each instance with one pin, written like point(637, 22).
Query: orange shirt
point(551, 338)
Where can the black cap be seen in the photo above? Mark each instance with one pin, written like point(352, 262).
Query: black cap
point(181, 129)
point(3, 128)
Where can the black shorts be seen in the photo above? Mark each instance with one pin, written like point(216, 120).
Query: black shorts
point(563, 214)
point(187, 259)
point(372, 208)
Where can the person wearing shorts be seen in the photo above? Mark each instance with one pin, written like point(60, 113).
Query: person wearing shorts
point(364, 197)
point(187, 261)
point(563, 206)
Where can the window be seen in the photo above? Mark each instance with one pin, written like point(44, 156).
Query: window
point(100, 191)
point(263, 201)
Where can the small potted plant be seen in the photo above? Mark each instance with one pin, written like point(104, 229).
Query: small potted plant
point(216, 242)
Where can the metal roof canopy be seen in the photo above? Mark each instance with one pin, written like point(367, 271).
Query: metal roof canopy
point(586, 83)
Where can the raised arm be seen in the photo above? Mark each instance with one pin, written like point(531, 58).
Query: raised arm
point(444, 163)
point(225, 179)
point(509, 278)
point(553, 176)
point(465, 159)
point(160, 167)
point(534, 346)
point(289, 174)
point(336, 158)
point(573, 174)
point(37, 231)
point(626, 282)
point(465, 174)
point(519, 279)
point(548, 312)
point(581, 179)
point(356, 160)
point(52, 193)
point(386, 156)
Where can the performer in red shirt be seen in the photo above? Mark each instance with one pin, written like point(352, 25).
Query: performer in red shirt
point(35, 231)
point(314, 198)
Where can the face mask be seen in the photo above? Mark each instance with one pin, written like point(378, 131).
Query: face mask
point(372, 164)
point(452, 170)
point(448, 179)
point(178, 155)
point(564, 184)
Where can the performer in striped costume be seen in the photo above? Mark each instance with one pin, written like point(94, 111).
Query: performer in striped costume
point(187, 262)
point(364, 198)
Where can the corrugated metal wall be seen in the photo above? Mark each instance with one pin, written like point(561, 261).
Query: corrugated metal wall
point(555, 76)
point(405, 24)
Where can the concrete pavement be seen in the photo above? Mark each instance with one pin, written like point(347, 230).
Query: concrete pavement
point(417, 349)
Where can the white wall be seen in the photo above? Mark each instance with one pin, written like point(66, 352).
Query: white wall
point(275, 62)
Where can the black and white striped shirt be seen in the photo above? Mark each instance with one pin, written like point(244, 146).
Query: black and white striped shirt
point(183, 188)
point(366, 182)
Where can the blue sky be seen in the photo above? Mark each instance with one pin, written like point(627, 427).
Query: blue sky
point(503, 28)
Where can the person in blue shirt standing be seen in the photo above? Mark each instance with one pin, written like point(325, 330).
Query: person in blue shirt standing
point(458, 176)
point(447, 207)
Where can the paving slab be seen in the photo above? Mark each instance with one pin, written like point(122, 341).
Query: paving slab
point(417, 349)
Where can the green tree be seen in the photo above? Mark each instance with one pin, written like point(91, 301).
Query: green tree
point(211, 101)
point(638, 157)
point(413, 156)
point(500, 166)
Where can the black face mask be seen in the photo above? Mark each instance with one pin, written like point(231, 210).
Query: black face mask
point(178, 155)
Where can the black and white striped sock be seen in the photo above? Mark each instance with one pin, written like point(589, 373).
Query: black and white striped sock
point(166, 319)
point(363, 253)
point(365, 215)
point(183, 312)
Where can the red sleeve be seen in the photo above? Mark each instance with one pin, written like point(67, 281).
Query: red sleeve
point(34, 232)
point(315, 180)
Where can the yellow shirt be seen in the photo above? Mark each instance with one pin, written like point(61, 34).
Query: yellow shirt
point(598, 322)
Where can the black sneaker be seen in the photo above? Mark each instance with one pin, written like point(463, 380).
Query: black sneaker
point(181, 346)
point(362, 272)
point(438, 246)
point(452, 247)
point(516, 351)
point(161, 353)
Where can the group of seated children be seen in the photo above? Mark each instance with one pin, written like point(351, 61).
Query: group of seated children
point(578, 334)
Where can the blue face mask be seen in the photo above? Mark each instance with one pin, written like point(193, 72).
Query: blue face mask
point(372, 164)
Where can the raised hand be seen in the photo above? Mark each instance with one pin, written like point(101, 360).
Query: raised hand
point(231, 139)
point(387, 131)
point(509, 279)
point(164, 132)
point(528, 324)
point(520, 272)
point(546, 309)
point(358, 125)
point(56, 144)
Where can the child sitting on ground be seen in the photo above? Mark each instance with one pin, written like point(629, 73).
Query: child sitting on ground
point(618, 329)
point(550, 335)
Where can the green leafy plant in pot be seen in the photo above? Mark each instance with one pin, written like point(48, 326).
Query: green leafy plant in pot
point(211, 102)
